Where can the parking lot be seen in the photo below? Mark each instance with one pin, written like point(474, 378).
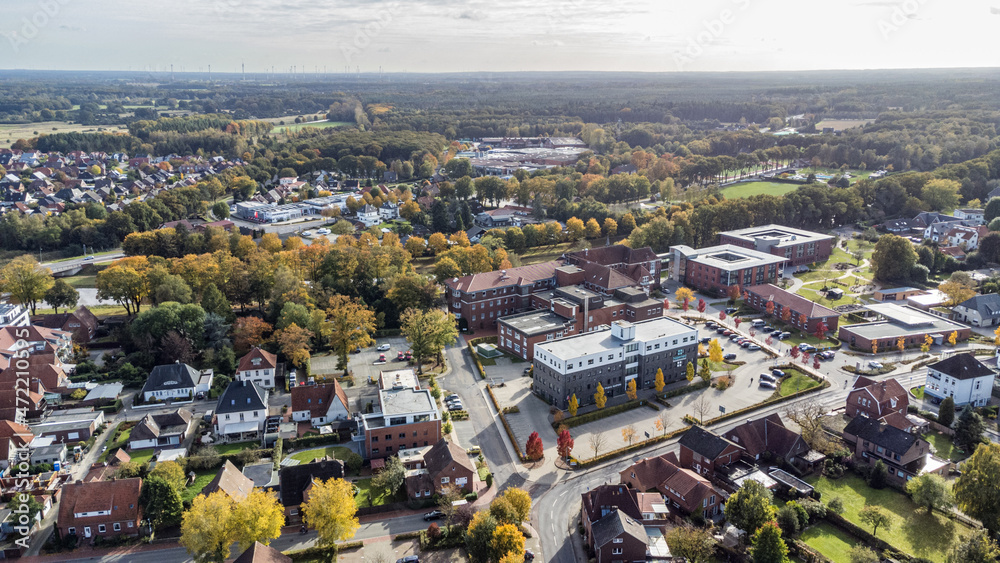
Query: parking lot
point(363, 363)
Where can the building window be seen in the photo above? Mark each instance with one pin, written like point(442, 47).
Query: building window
point(71, 531)
point(102, 528)
point(117, 527)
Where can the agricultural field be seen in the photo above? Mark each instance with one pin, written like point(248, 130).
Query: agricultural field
point(11, 132)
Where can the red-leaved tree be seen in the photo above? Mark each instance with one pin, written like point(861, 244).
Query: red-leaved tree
point(769, 308)
point(795, 351)
point(821, 329)
point(565, 443)
point(702, 305)
point(534, 449)
point(722, 315)
point(805, 357)
point(737, 321)
point(816, 362)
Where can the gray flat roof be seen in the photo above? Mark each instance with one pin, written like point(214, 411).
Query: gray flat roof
point(902, 320)
point(397, 402)
point(590, 342)
point(785, 235)
point(536, 322)
point(731, 257)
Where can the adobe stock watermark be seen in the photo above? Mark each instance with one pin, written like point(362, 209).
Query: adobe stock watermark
point(365, 34)
point(899, 16)
point(713, 30)
point(23, 519)
point(31, 26)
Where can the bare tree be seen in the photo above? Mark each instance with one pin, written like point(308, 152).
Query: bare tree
point(628, 433)
point(702, 407)
point(596, 442)
point(662, 421)
point(446, 502)
point(809, 416)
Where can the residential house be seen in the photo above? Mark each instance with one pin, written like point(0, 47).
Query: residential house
point(241, 411)
point(294, 482)
point(597, 503)
point(388, 211)
point(876, 399)
point(230, 481)
point(258, 366)
point(12, 314)
point(26, 397)
point(13, 437)
point(82, 324)
point(175, 381)
point(160, 430)
point(767, 439)
point(971, 217)
point(70, 426)
point(618, 538)
point(445, 463)
point(682, 488)
point(705, 452)
point(981, 310)
point(34, 340)
point(904, 454)
point(767, 296)
point(963, 378)
point(368, 215)
point(260, 553)
point(320, 404)
point(100, 508)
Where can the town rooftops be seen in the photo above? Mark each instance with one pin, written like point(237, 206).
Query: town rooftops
point(171, 376)
point(230, 481)
point(962, 366)
point(881, 391)
point(603, 339)
point(317, 398)
point(893, 439)
point(988, 306)
point(523, 275)
point(770, 292)
point(614, 525)
point(260, 553)
point(443, 453)
point(257, 359)
point(902, 320)
point(118, 498)
point(242, 396)
point(295, 479)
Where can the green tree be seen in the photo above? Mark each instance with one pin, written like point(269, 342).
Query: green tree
point(977, 489)
point(390, 479)
point(172, 473)
point(695, 544)
point(26, 281)
point(161, 502)
point(946, 411)
point(977, 548)
point(767, 546)
point(878, 478)
point(874, 517)
point(862, 554)
point(969, 430)
point(941, 194)
point(930, 490)
point(705, 373)
point(221, 210)
point(428, 332)
point(893, 258)
point(992, 210)
point(213, 301)
point(61, 294)
point(750, 507)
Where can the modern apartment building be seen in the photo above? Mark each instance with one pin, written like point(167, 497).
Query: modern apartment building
point(613, 356)
point(717, 268)
point(795, 245)
point(407, 417)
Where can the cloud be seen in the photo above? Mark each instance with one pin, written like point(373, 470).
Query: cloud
point(474, 15)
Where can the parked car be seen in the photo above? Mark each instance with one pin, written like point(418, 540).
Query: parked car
point(434, 515)
point(728, 332)
point(323, 231)
point(768, 328)
point(400, 356)
point(777, 373)
point(383, 347)
point(734, 337)
point(706, 340)
point(381, 359)
point(720, 330)
point(730, 310)
point(710, 325)
point(528, 555)
point(875, 365)
point(784, 335)
point(408, 559)
point(307, 233)
point(827, 354)
point(729, 357)
point(806, 347)
point(409, 355)
point(456, 406)
point(474, 450)
point(746, 344)
point(767, 385)
point(452, 397)
point(526, 372)
point(753, 347)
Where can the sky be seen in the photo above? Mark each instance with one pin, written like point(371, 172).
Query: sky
point(497, 36)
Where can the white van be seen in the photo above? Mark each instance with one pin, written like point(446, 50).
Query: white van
point(757, 323)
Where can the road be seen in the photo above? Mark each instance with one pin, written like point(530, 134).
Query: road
point(63, 265)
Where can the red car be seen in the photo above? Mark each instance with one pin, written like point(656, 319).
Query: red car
point(409, 355)
point(381, 358)
point(399, 356)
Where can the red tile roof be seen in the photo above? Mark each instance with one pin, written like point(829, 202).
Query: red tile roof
point(317, 398)
point(524, 275)
point(267, 360)
point(797, 303)
point(120, 496)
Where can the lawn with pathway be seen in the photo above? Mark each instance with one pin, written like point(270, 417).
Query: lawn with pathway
point(945, 447)
point(830, 541)
point(796, 381)
point(912, 529)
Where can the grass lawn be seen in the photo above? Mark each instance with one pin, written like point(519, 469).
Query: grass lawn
point(293, 127)
point(720, 366)
point(830, 541)
point(119, 440)
point(98, 310)
point(796, 381)
point(141, 456)
point(944, 446)
point(912, 530)
point(747, 189)
point(234, 448)
point(483, 472)
point(305, 456)
point(202, 479)
point(816, 296)
point(81, 281)
point(918, 392)
point(866, 247)
point(364, 497)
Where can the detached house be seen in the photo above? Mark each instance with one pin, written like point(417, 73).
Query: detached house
point(241, 411)
point(602, 500)
point(905, 455)
point(683, 488)
point(229, 480)
point(619, 538)
point(175, 381)
point(100, 508)
point(443, 464)
point(160, 430)
point(767, 439)
point(319, 404)
point(705, 452)
point(258, 366)
point(294, 482)
point(981, 310)
point(876, 399)
point(82, 324)
point(963, 378)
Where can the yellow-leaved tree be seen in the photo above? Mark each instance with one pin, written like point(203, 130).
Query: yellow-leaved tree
point(574, 404)
point(331, 511)
point(507, 539)
point(953, 338)
point(257, 518)
point(715, 351)
point(658, 382)
point(205, 529)
point(600, 398)
point(630, 390)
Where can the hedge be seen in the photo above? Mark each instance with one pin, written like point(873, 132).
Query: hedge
point(579, 419)
point(506, 426)
point(696, 386)
point(475, 360)
point(451, 536)
point(311, 440)
point(322, 553)
point(382, 333)
point(112, 409)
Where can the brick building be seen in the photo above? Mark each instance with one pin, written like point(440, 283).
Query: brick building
point(613, 356)
point(566, 311)
point(100, 508)
point(705, 452)
point(795, 245)
point(717, 268)
point(406, 417)
point(761, 295)
point(892, 322)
